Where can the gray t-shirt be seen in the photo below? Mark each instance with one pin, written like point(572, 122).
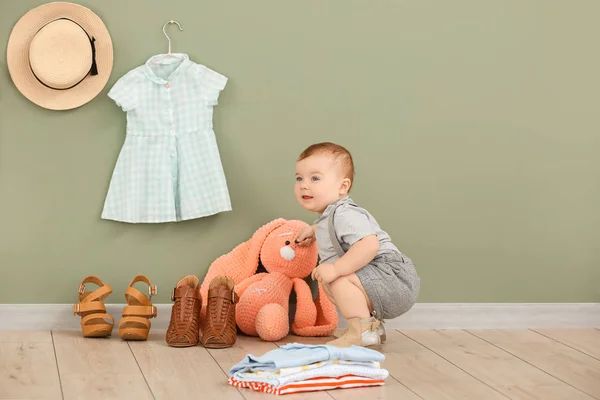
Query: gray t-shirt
point(351, 223)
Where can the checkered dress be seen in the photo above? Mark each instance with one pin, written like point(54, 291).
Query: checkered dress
point(169, 168)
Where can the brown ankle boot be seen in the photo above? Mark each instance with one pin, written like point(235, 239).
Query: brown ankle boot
point(361, 332)
point(219, 327)
point(184, 326)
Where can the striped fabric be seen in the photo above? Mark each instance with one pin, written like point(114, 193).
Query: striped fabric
point(326, 375)
point(169, 167)
point(310, 385)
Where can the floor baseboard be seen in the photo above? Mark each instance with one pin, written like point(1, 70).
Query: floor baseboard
point(421, 316)
point(499, 316)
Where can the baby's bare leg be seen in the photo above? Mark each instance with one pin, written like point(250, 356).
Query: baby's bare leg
point(328, 293)
point(350, 297)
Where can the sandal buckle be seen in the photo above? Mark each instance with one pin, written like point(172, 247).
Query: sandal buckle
point(233, 297)
point(173, 294)
point(81, 289)
point(152, 290)
point(75, 309)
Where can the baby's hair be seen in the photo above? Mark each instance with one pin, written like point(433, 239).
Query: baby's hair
point(335, 150)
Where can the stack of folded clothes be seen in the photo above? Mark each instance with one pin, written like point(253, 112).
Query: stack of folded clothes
point(299, 367)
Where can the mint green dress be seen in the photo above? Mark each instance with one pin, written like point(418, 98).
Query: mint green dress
point(169, 167)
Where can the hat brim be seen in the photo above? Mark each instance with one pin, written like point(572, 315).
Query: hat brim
point(18, 56)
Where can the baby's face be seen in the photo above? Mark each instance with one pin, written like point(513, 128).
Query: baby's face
point(319, 182)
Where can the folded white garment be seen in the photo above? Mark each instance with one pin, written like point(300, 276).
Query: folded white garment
point(293, 370)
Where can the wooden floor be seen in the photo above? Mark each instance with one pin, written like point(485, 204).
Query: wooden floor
point(449, 364)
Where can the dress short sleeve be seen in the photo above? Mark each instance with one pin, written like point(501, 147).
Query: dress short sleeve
point(211, 83)
point(124, 91)
point(351, 225)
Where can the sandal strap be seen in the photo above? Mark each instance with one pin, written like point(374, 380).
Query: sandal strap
point(88, 306)
point(223, 293)
point(185, 291)
point(126, 320)
point(152, 289)
point(92, 317)
point(98, 294)
point(140, 311)
point(91, 279)
point(136, 294)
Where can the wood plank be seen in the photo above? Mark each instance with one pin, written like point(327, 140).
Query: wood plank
point(584, 340)
point(25, 337)
point(422, 372)
point(543, 393)
point(244, 345)
point(304, 340)
point(392, 389)
point(97, 368)
point(508, 374)
point(28, 369)
point(562, 362)
point(429, 375)
point(181, 373)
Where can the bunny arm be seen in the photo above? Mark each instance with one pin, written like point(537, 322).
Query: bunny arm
point(325, 321)
point(306, 311)
point(241, 287)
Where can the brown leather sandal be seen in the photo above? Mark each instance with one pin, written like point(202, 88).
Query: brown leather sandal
point(184, 325)
point(95, 322)
point(135, 324)
point(220, 329)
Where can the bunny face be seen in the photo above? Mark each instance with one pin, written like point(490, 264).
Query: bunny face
point(280, 253)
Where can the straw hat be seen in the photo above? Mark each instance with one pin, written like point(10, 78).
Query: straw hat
point(60, 55)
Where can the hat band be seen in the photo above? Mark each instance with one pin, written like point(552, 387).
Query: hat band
point(93, 68)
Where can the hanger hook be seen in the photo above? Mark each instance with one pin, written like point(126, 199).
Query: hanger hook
point(169, 39)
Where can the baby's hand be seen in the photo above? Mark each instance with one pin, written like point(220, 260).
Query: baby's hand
point(306, 236)
point(324, 273)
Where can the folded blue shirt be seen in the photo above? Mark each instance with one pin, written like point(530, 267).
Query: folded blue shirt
point(296, 354)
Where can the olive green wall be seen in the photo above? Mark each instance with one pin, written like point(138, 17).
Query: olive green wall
point(474, 126)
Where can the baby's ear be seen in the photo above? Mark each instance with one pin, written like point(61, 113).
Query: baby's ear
point(345, 186)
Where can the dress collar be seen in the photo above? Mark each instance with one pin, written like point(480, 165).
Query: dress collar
point(182, 59)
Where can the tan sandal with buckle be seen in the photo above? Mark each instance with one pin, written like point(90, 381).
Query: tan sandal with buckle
point(95, 322)
point(135, 324)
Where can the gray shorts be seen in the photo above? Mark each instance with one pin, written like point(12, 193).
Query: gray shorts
point(392, 284)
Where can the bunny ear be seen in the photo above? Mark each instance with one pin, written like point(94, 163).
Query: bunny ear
point(255, 243)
